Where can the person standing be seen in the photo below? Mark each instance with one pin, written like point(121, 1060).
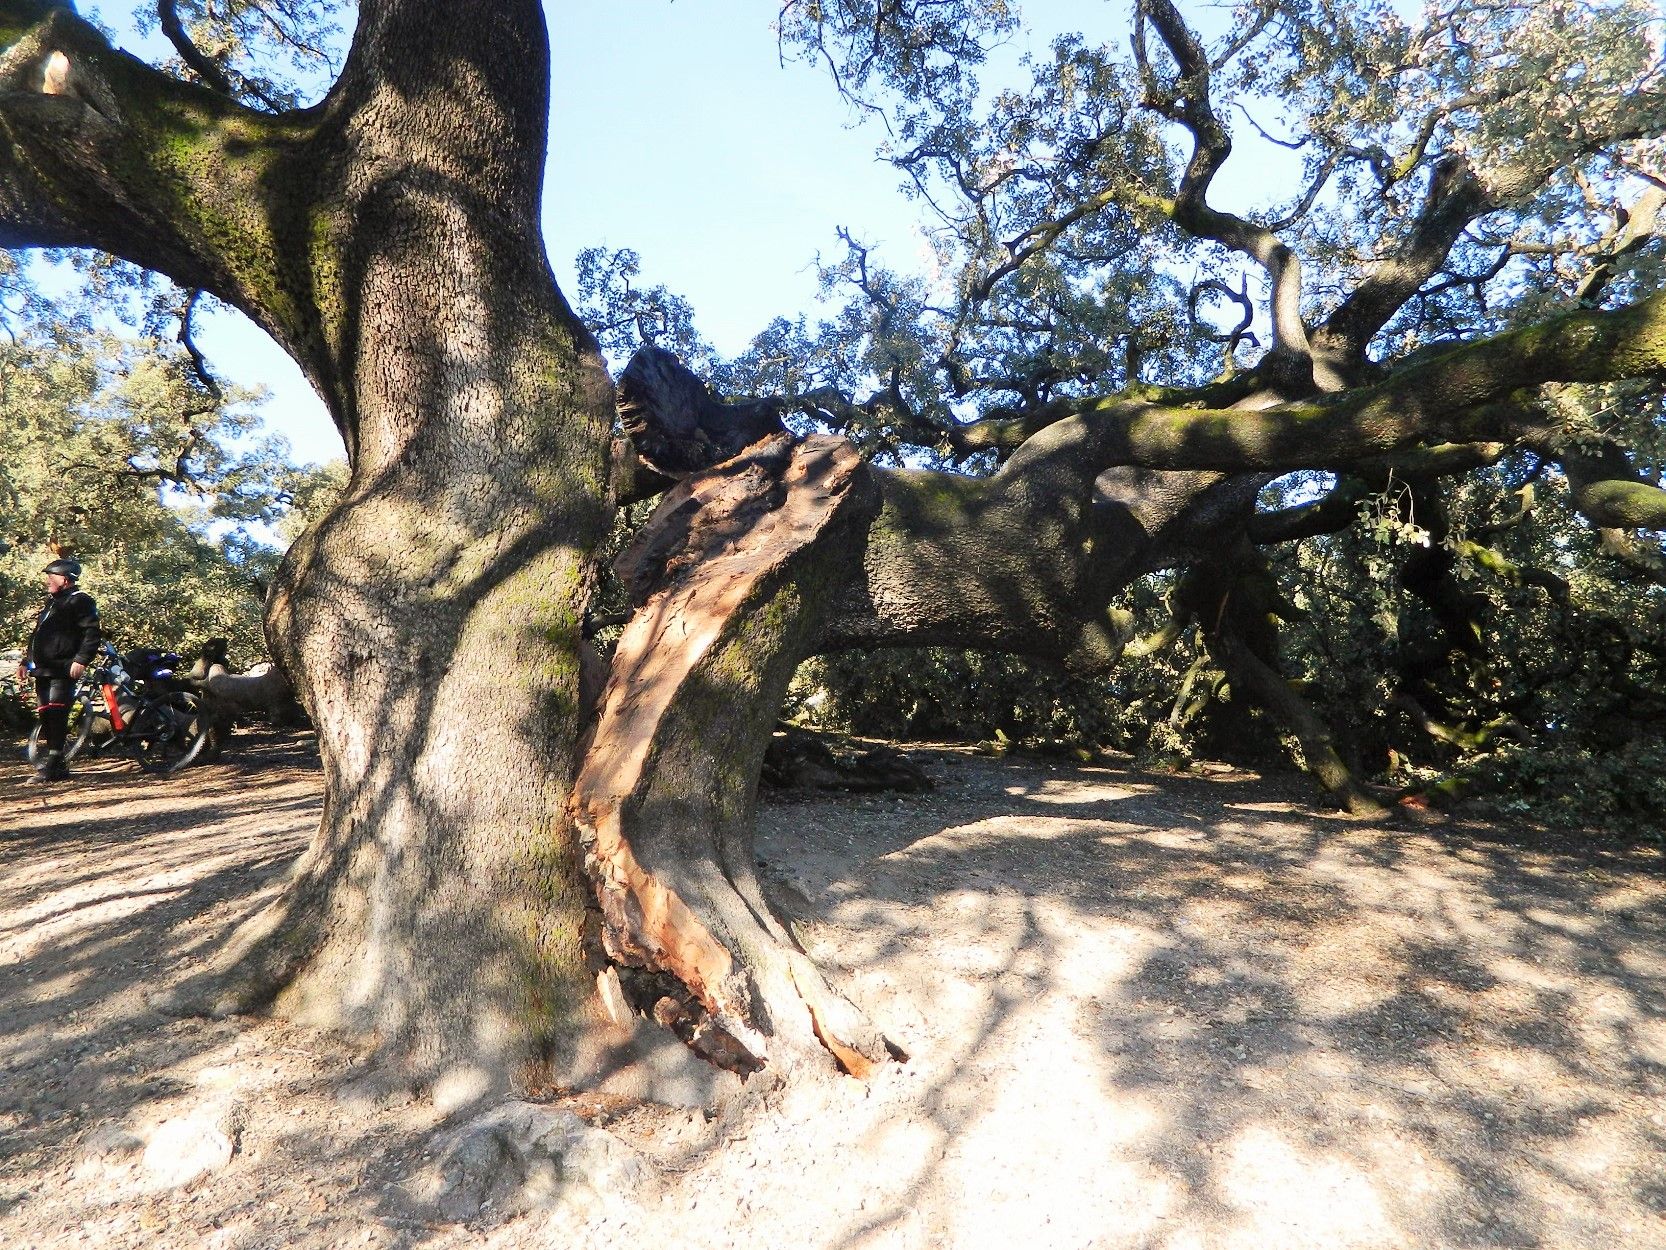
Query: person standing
point(64, 642)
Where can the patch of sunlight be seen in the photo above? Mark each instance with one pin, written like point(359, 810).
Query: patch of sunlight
point(58, 987)
point(1287, 1194)
point(1601, 1147)
point(977, 958)
point(1527, 1070)
point(1643, 962)
point(1561, 921)
point(1345, 969)
point(1648, 1040)
point(1075, 791)
point(74, 915)
point(1625, 898)
point(1269, 806)
point(1176, 839)
point(995, 832)
point(1116, 1196)
point(1529, 974)
point(1422, 1179)
point(909, 1147)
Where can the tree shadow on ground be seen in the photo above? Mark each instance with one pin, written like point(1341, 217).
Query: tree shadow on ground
point(1262, 1026)
point(1142, 1011)
point(117, 886)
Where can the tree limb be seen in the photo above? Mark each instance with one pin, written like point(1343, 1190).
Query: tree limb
point(210, 71)
point(1455, 198)
point(1187, 103)
point(98, 150)
point(1464, 394)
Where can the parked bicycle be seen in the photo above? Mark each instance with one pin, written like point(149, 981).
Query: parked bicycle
point(134, 704)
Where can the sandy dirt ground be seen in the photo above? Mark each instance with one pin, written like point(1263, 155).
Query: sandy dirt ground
point(1140, 1011)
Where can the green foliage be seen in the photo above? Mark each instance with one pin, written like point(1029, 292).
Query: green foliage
point(116, 452)
point(1557, 696)
point(943, 694)
point(309, 491)
point(274, 53)
point(623, 314)
point(1570, 786)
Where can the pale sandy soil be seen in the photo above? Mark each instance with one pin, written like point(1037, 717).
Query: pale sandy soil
point(1141, 1011)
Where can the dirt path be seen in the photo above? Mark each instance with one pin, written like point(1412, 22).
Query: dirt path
point(1141, 1012)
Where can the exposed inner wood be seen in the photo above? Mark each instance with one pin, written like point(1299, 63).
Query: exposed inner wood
point(731, 575)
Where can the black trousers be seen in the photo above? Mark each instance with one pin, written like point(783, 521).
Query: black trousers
point(53, 692)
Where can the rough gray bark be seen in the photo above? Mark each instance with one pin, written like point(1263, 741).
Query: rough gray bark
point(431, 620)
point(430, 623)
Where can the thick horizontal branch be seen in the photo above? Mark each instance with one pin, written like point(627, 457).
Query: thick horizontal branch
point(1005, 431)
point(1336, 510)
point(1610, 493)
point(99, 150)
point(1461, 395)
point(1331, 513)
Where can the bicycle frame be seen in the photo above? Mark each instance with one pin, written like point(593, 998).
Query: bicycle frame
point(154, 722)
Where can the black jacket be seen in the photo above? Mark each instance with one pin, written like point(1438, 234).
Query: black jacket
point(66, 631)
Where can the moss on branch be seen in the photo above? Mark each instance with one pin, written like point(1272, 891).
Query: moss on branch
point(164, 173)
point(1464, 394)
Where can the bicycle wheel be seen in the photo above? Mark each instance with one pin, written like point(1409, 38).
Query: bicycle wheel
point(84, 731)
point(167, 733)
point(95, 731)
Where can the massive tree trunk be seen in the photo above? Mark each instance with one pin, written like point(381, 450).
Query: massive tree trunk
point(447, 910)
point(430, 623)
point(476, 877)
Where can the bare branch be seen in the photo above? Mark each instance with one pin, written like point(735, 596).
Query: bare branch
point(199, 363)
point(1639, 226)
point(1187, 103)
point(210, 71)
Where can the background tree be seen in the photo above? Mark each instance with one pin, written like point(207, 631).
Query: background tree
point(1432, 180)
point(489, 887)
point(118, 451)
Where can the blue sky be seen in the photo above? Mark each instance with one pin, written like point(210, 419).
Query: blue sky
point(675, 131)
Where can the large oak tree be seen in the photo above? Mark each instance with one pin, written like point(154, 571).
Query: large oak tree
point(510, 871)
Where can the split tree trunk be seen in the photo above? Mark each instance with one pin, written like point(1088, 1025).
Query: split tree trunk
point(732, 576)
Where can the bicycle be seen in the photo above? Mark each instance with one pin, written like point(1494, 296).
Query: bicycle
point(133, 704)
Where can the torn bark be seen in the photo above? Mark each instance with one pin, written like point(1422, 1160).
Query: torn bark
point(732, 575)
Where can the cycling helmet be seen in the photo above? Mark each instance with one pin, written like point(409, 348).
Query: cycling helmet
point(65, 567)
